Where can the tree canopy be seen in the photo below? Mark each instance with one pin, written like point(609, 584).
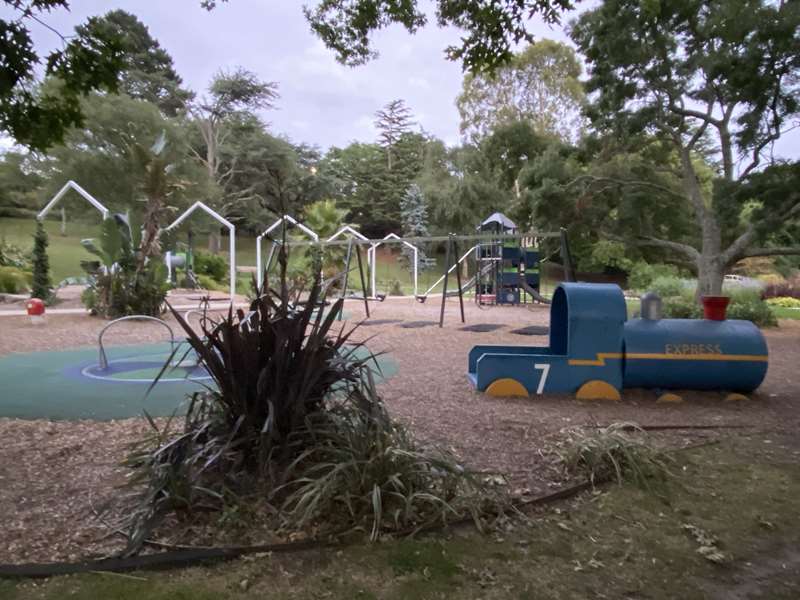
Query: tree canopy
point(91, 59)
point(716, 79)
point(491, 29)
point(540, 85)
point(147, 71)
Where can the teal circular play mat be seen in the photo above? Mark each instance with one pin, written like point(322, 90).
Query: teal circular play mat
point(70, 385)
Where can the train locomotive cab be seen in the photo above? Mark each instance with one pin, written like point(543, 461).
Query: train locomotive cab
point(584, 355)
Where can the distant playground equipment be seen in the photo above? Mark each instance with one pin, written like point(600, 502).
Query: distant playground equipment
point(595, 351)
point(185, 261)
point(506, 267)
point(504, 263)
point(508, 270)
point(182, 259)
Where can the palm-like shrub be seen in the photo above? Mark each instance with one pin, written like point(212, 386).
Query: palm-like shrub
point(123, 282)
point(294, 420)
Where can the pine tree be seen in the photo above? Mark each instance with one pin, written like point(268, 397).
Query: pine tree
point(42, 286)
point(392, 123)
point(414, 216)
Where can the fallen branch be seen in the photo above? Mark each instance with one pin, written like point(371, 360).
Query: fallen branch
point(667, 427)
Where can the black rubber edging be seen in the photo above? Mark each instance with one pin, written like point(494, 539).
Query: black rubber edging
point(152, 562)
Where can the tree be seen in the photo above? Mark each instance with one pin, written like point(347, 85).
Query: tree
point(88, 61)
point(508, 151)
point(606, 196)
point(490, 29)
point(19, 183)
point(147, 71)
point(325, 219)
point(460, 186)
point(718, 81)
point(232, 100)
point(363, 184)
point(41, 287)
point(414, 215)
point(540, 85)
point(393, 121)
point(100, 156)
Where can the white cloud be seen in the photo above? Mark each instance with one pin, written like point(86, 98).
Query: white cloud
point(419, 82)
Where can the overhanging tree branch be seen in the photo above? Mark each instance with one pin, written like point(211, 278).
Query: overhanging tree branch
point(648, 241)
point(625, 182)
point(776, 251)
point(684, 249)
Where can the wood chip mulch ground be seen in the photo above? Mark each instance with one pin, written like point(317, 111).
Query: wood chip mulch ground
point(54, 475)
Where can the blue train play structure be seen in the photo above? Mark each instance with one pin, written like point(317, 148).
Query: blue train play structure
point(595, 352)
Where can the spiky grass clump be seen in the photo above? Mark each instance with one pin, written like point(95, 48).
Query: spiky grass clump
point(621, 452)
point(367, 471)
point(294, 421)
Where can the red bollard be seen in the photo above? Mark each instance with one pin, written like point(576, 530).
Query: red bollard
point(35, 308)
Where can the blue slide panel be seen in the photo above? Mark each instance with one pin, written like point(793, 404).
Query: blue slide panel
point(478, 351)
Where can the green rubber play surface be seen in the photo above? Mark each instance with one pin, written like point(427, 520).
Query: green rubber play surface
point(70, 385)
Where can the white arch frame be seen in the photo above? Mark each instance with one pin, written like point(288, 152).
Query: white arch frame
point(231, 228)
point(347, 229)
point(372, 259)
point(270, 229)
point(71, 185)
point(351, 231)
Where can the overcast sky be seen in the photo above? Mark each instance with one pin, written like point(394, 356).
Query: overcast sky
point(321, 102)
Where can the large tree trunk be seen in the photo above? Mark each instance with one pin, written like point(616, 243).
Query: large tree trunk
point(710, 274)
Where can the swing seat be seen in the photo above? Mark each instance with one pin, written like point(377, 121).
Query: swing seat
point(421, 299)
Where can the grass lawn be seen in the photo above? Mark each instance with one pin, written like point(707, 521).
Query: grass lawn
point(786, 313)
point(742, 496)
point(65, 252)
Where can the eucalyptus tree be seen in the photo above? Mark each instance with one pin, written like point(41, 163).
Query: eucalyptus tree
point(539, 85)
point(231, 104)
point(718, 80)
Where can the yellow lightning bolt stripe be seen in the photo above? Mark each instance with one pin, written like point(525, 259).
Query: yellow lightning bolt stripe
point(600, 361)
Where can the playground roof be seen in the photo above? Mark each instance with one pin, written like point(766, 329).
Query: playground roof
point(498, 219)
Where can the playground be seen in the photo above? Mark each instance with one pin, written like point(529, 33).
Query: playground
point(424, 385)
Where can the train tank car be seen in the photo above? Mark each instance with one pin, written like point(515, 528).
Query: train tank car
point(694, 354)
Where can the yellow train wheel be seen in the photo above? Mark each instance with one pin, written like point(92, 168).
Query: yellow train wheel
point(506, 387)
point(597, 390)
